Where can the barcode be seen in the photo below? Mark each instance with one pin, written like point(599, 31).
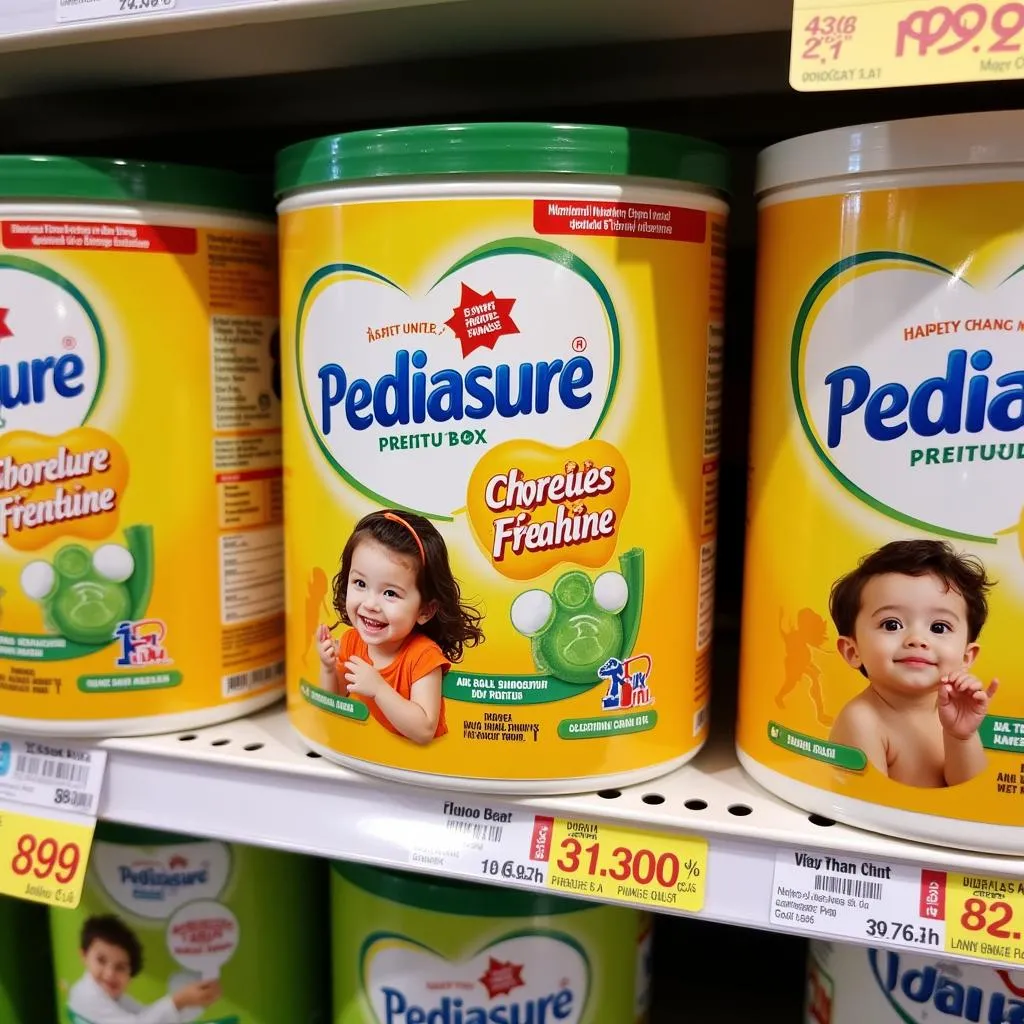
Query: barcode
point(254, 679)
point(473, 830)
point(32, 768)
point(848, 886)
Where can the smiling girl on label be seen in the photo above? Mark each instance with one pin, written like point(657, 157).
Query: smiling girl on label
point(409, 625)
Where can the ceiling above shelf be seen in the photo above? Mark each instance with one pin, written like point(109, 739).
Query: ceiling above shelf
point(214, 39)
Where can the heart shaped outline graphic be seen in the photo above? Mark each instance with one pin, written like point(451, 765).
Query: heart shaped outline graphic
point(797, 350)
point(512, 246)
point(375, 938)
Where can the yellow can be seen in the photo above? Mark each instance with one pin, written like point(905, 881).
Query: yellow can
point(884, 573)
point(502, 384)
point(141, 548)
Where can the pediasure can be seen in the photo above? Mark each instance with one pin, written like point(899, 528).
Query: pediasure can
point(487, 333)
point(175, 929)
point(25, 965)
point(886, 481)
point(141, 551)
point(859, 985)
point(410, 948)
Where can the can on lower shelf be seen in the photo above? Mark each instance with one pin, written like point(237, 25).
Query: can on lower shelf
point(141, 569)
point(415, 948)
point(174, 929)
point(885, 551)
point(503, 352)
point(859, 985)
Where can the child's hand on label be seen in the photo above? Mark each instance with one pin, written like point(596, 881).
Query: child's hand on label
point(327, 646)
point(199, 994)
point(362, 677)
point(963, 703)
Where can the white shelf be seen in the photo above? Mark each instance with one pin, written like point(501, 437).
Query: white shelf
point(251, 781)
point(201, 40)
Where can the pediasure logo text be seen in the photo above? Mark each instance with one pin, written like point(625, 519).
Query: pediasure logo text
point(919, 989)
point(153, 882)
point(528, 978)
point(909, 384)
point(405, 391)
point(52, 357)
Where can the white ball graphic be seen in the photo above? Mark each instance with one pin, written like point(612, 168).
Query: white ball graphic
point(37, 579)
point(611, 592)
point(530, 611)
point(113, 562)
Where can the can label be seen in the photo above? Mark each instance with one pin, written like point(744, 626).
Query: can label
point(171, 932)
point(139, 434)
point(491, 383)
point(885, 571)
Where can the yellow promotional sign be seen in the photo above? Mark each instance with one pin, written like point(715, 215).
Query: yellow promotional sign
point(871, 44)
point(44, 860)
point(985, 917)
point(649, 869)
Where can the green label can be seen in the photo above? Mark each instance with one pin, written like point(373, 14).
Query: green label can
point(173, 929)
point(411, 950)
point(24, 961)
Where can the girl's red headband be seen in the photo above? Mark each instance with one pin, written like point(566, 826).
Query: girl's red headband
point(415, 536)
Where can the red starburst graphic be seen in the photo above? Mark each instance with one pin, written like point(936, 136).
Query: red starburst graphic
point(5, 331)
point(500, 978)
point(479, 320)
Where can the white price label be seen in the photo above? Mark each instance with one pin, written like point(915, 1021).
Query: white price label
point(51, 774)
point(840, 896)
point(94, 10)
point(478, 840)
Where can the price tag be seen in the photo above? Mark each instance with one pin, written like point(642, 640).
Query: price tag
point(985, 917)
point(51, 774)
point(649, 869)
point(870, 44)
point(44, 859)
point(840, 896)
point(93, 10)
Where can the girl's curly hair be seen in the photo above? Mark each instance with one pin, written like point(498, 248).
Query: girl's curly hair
point(455, 625)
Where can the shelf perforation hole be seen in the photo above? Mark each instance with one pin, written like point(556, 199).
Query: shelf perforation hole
point(740, 810)
point(609, 794)
point(253, 746)
point(696, 805)
point(187, 737)
point(313, 754)
point(820, 820)
point(653, 798)
point(219, 743)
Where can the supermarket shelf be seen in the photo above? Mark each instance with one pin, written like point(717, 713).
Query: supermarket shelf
point(211, 39)
point(251, 781)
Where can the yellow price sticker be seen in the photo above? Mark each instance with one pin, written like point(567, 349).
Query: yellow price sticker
point(627, 865)
point(985, 917)
point(43, 859)
point(870, 44)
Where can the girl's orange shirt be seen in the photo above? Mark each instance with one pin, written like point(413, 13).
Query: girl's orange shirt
point(418, 657)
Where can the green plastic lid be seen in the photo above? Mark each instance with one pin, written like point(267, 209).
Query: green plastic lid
point(128, 181)
point(447, 896)
point(512, 148)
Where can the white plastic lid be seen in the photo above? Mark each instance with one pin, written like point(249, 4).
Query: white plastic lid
point(923, 143)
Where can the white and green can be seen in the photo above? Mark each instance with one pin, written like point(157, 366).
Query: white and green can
point(411, 949)
point(174, 929)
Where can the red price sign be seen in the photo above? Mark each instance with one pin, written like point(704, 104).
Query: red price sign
point(945, 30)
point(646, 868)
point(878, 43)
point(43, 860)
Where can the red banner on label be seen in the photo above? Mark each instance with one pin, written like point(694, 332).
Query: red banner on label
point(621, 220)
point(540, 843)
point(93, 236)
point(245, 475)
point(933, 895)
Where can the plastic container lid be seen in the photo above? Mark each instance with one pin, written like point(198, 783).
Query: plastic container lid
point(501, 148)
point(128, 181)
point(918, 144)
point(448, 896)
